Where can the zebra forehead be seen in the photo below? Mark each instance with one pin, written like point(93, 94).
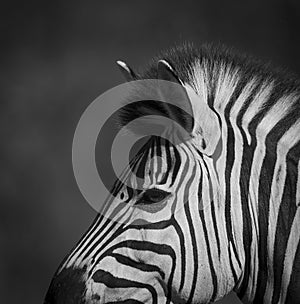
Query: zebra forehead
point(157, 155)
point(157, 159)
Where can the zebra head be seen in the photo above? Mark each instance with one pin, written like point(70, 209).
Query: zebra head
point(164, 241)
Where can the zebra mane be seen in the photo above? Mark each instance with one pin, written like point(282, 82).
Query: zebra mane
point(184, 56)
point(215, 60)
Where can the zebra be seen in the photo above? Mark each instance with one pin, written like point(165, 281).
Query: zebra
point(218, 212)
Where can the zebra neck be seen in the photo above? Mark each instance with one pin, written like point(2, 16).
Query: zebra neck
point(236, 218)
point(223, 216)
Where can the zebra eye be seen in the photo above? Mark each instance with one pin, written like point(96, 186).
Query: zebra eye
point(152, 196)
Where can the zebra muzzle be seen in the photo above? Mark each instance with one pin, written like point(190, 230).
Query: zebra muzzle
point(67, 287)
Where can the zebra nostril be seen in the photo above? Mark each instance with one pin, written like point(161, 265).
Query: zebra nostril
point(67, 287)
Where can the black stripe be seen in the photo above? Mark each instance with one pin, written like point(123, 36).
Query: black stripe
point(212, 204)
point(192, 234)
point(143, 224)
point(104, 277)
point(179, 184)
point(161, 249)
point(228, 169)
point(212, 269)
point(140, 170)
point(158, 158)
point(214, 220)
point(169, 162)
point(177, 163)
point(244, 182)
point(182, 248)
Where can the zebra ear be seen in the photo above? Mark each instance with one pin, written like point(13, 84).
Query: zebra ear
point(126, 71)
point(180, 110)
point(194, 114)
point(206, 131)
point(166, 72)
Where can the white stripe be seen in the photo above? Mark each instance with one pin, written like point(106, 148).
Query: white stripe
point(255, 106)
point(226, 84)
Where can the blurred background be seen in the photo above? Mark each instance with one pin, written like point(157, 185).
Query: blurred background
point(56, 58)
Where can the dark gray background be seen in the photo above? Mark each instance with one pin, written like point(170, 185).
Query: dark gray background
point(56, 57)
